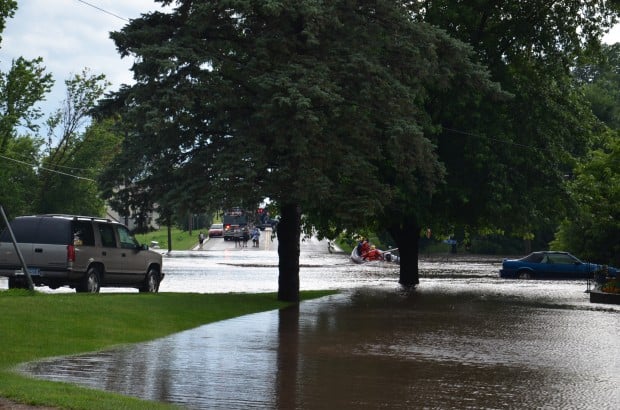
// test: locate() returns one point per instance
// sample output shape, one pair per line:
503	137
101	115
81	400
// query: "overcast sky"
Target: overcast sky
71	35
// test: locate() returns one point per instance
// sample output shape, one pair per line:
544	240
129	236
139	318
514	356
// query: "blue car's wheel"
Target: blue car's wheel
524	275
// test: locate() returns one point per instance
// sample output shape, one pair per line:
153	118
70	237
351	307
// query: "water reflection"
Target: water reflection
288	358
446	345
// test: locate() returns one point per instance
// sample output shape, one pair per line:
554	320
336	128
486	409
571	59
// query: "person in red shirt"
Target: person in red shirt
374	254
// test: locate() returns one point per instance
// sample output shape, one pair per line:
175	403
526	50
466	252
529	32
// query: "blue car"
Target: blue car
550	265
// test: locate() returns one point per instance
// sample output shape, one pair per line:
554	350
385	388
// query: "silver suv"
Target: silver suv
84	253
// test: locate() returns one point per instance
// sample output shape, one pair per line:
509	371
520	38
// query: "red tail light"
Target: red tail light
70	253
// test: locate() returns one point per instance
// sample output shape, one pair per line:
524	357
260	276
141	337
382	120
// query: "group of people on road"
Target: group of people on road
241	238
247	234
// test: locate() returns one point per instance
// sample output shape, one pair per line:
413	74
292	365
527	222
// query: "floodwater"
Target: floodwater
463	339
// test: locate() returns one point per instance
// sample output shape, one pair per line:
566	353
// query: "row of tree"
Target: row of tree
479	116
50	164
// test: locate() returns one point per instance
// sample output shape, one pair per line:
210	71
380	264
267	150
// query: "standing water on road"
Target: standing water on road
463	339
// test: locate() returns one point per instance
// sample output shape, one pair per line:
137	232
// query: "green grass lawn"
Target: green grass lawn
35	326
181	240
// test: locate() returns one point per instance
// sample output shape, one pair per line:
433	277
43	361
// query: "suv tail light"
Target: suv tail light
70	253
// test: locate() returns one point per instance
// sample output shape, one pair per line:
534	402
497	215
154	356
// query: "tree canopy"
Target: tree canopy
318	106
36	180
355	112
21	88
77	150
599	78
592	231
506	161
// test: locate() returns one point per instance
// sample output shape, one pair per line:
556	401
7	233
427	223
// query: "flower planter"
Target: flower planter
597	296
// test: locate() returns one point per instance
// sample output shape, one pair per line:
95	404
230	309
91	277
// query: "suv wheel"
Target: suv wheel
151	282
90	283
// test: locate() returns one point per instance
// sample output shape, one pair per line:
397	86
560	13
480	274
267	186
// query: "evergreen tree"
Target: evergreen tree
319	106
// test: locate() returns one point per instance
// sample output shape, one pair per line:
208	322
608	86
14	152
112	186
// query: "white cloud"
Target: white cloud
71	35
613	36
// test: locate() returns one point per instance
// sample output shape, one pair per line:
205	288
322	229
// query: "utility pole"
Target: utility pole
19	254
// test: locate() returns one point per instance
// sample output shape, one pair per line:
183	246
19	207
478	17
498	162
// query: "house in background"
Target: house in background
130	222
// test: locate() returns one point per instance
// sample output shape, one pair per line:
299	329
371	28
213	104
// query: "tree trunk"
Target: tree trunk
407	239
289	231
169	237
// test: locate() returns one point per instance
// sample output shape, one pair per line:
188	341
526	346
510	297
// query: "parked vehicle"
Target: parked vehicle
550	265
84	253
216	230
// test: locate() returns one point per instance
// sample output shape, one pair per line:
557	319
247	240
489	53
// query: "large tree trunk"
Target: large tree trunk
169	237
407	237
289	231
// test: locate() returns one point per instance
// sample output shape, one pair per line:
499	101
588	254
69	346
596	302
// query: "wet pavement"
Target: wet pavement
463	339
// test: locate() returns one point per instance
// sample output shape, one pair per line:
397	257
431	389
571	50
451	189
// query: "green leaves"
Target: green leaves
593	229
321	104
506	155
21	88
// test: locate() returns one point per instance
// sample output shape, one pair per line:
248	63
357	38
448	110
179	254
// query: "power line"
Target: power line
46	169
103	10
25	158
516	144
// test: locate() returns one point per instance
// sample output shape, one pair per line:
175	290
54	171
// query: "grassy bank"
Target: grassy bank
181	240
44	325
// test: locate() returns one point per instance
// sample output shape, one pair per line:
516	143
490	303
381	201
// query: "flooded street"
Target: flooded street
463	339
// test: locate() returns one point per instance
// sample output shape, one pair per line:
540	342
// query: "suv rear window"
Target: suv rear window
24	230
52	231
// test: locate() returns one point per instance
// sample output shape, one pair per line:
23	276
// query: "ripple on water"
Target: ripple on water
452	343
